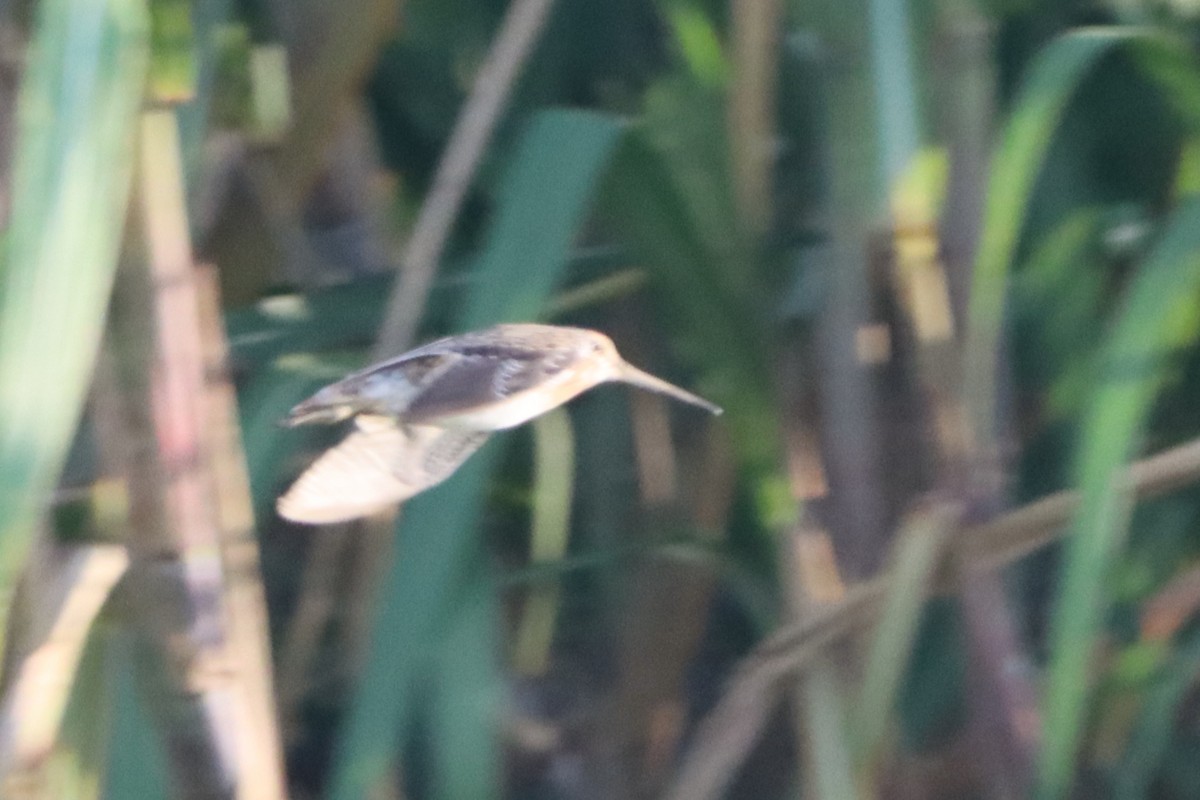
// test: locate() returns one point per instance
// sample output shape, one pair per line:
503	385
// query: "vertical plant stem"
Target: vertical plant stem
261	756
205	662
1002	698
895	86
1001	694
966	114
751	106
176	596
851	429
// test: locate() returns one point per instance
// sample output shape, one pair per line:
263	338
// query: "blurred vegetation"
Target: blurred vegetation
938	261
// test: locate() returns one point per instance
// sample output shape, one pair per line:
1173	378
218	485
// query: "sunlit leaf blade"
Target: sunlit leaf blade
71	182
698	43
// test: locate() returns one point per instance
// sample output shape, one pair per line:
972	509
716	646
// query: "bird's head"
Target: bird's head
600	353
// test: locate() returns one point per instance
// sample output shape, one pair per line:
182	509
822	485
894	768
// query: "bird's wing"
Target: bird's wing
332	403
483	376
378	464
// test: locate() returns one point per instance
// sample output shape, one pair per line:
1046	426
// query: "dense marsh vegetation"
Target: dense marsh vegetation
938	260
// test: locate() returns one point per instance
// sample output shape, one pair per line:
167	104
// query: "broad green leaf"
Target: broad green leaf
541	204
468	694
540	209
73	160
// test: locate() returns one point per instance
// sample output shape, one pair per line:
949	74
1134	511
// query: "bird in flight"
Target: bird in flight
420	415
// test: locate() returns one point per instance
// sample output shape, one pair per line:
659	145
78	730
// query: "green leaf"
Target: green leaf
73	162
172	52
1052	82
554	479
1059	299
1159	314
540	208
547	191
820	697
469	696
918	552
699	44
78	765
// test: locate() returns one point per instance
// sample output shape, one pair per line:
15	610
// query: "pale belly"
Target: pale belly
516	410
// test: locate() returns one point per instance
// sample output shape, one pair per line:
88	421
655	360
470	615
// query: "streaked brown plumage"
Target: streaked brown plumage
423	413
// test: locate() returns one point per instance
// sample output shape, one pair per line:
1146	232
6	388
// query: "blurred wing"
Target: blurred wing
378	464
475	381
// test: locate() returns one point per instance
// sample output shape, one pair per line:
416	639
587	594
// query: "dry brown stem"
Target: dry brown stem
261	756
191	594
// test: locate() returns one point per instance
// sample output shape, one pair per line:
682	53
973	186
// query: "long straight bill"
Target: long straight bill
644	380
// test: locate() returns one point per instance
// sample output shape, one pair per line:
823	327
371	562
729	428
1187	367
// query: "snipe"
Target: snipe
488	380
422	414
